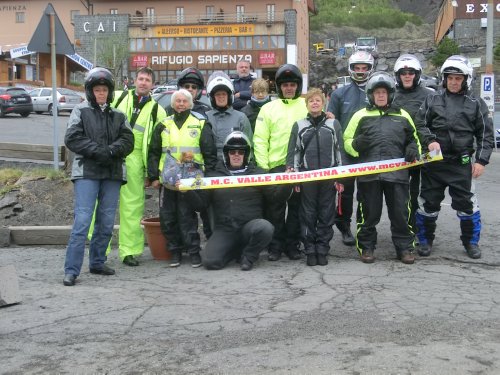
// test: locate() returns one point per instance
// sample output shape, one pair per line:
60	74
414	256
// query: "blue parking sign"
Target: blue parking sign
487	86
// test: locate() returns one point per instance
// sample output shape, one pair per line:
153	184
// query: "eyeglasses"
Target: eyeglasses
188	86
407	73
236	152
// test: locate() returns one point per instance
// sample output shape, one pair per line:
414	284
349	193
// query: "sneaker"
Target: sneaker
195	260
175	261
407	257
424	250
473	251
245	264
367	256
274	255
322	260
312	260
347	237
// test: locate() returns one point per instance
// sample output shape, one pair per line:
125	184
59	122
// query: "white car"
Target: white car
66	100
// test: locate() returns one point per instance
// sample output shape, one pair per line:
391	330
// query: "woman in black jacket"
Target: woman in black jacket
101	138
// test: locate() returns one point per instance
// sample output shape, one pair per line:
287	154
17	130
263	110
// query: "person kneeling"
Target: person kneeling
240	231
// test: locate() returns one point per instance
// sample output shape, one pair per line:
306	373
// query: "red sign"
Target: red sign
267	58
139	61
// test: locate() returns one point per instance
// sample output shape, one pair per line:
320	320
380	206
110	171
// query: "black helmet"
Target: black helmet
192	75
381	79
99	76
236	140
288	73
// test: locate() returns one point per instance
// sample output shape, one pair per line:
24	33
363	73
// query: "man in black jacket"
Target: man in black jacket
240	231
459	124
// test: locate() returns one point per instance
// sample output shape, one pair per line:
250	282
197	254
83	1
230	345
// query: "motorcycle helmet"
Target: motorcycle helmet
99	76
192	75
220	81
236	140
458	64
360	57
407	62
381	79
288	73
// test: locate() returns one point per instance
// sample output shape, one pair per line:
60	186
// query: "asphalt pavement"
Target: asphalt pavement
438	316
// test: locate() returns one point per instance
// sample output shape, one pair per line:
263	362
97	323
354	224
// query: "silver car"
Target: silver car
66	100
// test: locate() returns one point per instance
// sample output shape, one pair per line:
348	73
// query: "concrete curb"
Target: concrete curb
37	235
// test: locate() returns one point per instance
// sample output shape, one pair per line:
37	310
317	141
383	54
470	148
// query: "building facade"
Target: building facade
165	35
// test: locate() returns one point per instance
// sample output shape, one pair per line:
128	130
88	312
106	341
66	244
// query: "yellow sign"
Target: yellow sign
189	31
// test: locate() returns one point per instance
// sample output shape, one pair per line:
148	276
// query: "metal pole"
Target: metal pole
54	87
489	38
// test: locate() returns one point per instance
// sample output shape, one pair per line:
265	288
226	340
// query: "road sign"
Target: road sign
41	36
488	91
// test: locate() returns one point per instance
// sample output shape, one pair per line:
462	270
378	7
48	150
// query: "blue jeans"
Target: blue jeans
89	194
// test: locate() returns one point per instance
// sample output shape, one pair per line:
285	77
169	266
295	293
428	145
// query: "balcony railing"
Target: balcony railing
204	19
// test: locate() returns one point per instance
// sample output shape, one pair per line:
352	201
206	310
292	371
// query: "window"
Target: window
179	12
155	44
245	42
19	17
229	42
74	13
261	42
240	13
150	15
270	12
182	44
113	11
210	11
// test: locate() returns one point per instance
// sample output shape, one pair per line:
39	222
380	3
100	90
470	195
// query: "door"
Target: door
45	99
35	97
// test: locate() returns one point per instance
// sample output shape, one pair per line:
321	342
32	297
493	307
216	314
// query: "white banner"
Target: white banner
20	51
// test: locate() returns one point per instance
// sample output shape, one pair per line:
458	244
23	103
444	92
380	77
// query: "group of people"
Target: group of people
126	142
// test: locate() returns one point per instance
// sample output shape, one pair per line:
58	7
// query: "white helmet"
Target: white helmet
360	57
219	80
458	64
407	62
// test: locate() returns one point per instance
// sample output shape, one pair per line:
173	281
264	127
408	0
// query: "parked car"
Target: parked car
66	100
15	100
165	97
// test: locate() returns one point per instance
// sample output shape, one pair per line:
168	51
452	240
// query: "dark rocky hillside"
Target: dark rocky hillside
411	38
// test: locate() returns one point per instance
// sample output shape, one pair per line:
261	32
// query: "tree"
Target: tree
112	52
496	52
448	47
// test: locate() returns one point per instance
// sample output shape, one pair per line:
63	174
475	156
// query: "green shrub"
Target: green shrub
446	48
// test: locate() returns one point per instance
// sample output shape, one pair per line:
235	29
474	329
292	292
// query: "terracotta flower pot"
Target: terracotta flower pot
156	240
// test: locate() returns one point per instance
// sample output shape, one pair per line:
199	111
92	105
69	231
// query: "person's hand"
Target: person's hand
411	153
237	95
156	184
289	169
330	115
361	143
103	155
339	187
477	170
434	146
147	182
